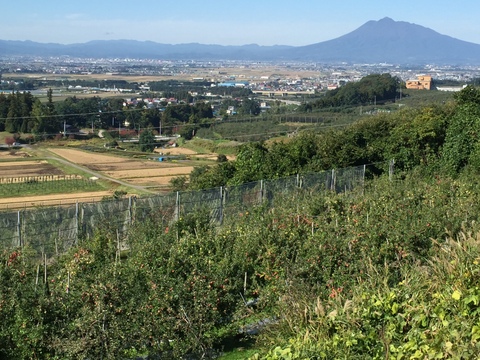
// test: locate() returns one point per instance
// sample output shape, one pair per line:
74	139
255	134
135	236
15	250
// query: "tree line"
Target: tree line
439	137
21	112
371	89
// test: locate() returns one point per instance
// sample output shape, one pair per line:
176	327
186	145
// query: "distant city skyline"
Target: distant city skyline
262	22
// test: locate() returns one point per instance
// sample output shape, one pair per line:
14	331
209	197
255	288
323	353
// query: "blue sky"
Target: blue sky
226	22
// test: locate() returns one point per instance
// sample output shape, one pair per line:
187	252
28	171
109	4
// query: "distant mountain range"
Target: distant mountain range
382	41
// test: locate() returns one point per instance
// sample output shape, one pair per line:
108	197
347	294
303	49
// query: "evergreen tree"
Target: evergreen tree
147	140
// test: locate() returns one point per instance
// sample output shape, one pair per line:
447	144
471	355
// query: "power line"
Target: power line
143	109
72	115
274	117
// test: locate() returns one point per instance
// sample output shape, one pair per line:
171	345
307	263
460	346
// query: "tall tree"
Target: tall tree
147	140
12	123
4	105
249	107
251	163
44	121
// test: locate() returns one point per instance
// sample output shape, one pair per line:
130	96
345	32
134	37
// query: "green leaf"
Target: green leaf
471	299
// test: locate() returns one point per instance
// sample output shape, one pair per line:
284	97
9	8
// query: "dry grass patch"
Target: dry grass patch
170	171
134	171
134	165
152	181
86	158
52	200
175	151
13	155
19	163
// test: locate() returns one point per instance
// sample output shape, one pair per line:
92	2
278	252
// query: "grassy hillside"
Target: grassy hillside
388	271
368	264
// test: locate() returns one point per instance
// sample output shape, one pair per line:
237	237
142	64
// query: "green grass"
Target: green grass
3	135
37	187
201	146
67	169
237	348
205	146
420	98
238	354
228	147
48	187
18	159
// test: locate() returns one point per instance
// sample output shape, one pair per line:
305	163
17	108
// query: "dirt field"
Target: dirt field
149	173
17	169
139	172
136	172
86	158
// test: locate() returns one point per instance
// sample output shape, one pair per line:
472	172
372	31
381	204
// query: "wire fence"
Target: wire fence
54	230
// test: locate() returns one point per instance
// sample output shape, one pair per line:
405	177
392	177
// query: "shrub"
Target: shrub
9	140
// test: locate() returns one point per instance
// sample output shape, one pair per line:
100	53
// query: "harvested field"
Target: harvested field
52	200
255	72
138	172
18	169
148	173
29	171
134	171
19	163
134	165
175	151
86	158
13	155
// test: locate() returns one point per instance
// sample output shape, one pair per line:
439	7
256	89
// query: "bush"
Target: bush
9	140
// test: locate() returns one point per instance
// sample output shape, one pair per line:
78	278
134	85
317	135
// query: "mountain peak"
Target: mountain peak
376	41
387	20
395	42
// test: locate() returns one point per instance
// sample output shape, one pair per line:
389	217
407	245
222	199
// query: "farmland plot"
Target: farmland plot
134	171
38	183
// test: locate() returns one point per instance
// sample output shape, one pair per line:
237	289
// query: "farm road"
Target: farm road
51	156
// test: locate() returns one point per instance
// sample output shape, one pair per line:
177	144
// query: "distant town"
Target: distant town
271	79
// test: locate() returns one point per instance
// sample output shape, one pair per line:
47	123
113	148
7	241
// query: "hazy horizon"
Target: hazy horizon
225	23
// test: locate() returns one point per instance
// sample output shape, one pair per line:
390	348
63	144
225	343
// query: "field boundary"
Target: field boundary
38	178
